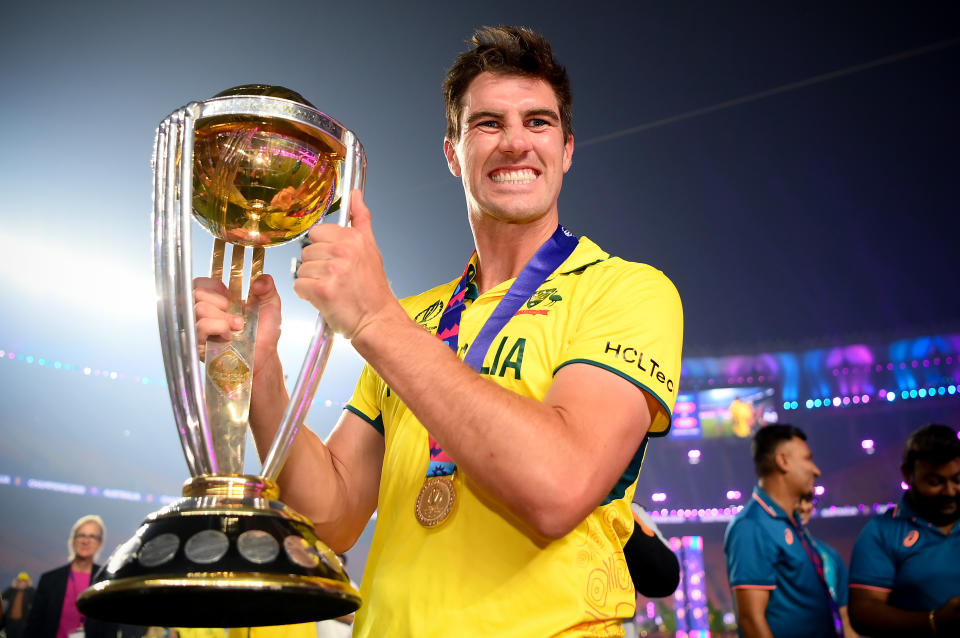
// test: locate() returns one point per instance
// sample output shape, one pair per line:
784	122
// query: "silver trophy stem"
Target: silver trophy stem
228	401
173	253
354	176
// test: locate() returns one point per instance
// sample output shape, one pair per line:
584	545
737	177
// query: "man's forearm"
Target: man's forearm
755	627
268	401
876	618
521	451
309	463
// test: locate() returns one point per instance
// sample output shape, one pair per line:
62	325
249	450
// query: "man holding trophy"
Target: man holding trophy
500	422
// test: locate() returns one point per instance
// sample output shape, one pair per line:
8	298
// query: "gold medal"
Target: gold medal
435	501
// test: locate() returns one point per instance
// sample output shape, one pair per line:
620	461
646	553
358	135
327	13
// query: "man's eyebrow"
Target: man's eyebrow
483	115
543	112
497	115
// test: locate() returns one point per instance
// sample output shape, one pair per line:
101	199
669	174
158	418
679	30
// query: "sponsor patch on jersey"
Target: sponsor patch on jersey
911	538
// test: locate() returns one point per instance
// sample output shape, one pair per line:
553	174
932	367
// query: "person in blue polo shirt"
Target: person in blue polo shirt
905	572
775	572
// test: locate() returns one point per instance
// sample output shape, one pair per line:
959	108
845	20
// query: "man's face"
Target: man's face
511	154
935	491
797	463
87	540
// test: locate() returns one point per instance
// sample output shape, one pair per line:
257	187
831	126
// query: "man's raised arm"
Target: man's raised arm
550	462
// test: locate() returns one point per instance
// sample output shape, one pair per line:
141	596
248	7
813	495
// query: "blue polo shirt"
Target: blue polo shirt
834	570
763	552
909	557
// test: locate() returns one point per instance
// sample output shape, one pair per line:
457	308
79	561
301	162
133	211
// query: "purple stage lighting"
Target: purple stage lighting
819	490
658	497
734	495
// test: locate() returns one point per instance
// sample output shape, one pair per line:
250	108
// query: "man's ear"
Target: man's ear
568	153
450	151
781	461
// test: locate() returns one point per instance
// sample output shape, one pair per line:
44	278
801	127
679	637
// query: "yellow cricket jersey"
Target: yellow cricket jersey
301	630
476	574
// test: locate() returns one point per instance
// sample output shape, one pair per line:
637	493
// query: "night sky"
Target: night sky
792	167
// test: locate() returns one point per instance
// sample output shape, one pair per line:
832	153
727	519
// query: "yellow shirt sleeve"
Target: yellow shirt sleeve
365	400
632	325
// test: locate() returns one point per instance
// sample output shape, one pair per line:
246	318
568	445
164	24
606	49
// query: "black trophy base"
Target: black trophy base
218	561
211	600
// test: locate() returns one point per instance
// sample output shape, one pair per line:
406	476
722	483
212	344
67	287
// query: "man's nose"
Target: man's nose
515	139
816	470
952	489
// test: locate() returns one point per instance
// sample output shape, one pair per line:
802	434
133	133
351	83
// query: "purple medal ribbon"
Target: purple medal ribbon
814	557
544	262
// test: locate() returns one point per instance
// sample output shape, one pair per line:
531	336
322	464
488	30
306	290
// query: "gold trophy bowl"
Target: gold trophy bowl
257	166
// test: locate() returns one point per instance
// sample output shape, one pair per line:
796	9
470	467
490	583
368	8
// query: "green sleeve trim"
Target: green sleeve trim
629	475
642	386
377	423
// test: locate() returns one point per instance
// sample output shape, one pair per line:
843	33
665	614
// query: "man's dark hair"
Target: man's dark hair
934	443
765	444
506	51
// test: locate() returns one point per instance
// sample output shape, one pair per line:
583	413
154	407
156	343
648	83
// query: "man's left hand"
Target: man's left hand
342	274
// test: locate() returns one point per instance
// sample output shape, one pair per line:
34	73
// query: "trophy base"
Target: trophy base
230	558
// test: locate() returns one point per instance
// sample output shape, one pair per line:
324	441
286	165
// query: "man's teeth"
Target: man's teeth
524	176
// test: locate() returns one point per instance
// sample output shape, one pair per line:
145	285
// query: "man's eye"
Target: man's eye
488	124
537	123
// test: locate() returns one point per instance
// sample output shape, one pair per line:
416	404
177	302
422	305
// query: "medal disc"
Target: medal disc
435	500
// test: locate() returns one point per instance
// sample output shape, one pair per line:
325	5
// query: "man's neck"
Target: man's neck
82	565
504	249
781	495
944	526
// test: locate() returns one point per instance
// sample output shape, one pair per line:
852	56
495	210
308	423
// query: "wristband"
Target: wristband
933	622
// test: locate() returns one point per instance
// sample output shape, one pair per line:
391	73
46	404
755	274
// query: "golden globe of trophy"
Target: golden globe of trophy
257	166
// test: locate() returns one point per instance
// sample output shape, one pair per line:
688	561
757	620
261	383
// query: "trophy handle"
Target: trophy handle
354	177
173	274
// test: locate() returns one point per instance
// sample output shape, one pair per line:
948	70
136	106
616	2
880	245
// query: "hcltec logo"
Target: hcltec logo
433	310
632	355
788	536
911	538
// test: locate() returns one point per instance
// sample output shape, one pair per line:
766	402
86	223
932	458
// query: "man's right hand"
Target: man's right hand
214	322
947	618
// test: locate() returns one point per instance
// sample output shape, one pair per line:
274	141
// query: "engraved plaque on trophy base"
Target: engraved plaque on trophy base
233	557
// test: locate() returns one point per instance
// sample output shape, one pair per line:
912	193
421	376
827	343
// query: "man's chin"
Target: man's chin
943	516
936	511
943	519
